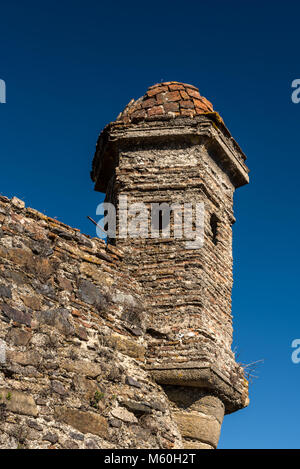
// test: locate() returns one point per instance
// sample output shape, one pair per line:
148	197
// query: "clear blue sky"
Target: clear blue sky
71	66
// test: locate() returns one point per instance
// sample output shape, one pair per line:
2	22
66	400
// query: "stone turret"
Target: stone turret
170	147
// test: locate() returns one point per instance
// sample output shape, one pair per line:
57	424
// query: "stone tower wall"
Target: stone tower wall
188	290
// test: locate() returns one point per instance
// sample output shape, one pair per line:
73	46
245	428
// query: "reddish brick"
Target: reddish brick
75	312
199	110
170	83
184	95
172	96
85	324
187	104
157	90
156	111
208	103
149	103
176	87
199	104
171	107
160	98
193	93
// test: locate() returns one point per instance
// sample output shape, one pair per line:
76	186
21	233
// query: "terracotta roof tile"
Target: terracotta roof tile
166	99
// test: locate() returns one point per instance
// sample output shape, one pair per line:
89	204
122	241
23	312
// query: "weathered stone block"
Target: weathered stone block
198	427
16	315
211	405
18	402
31	357
82	367
127	346
124	415
17	202
32	302
85	422
5	292
87	387
138	408
59	318
18	336
90	294
95	272
58	387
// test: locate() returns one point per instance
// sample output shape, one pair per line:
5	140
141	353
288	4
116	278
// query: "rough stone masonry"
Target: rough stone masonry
126	344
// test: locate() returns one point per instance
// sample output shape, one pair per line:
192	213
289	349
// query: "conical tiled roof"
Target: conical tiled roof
171	99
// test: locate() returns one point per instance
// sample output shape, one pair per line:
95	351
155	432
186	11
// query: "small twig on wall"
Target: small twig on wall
250	368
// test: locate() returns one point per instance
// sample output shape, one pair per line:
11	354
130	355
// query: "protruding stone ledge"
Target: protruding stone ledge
202	129
207	377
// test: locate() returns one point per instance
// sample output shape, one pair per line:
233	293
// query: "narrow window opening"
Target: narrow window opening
214	222
160	217
160	221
